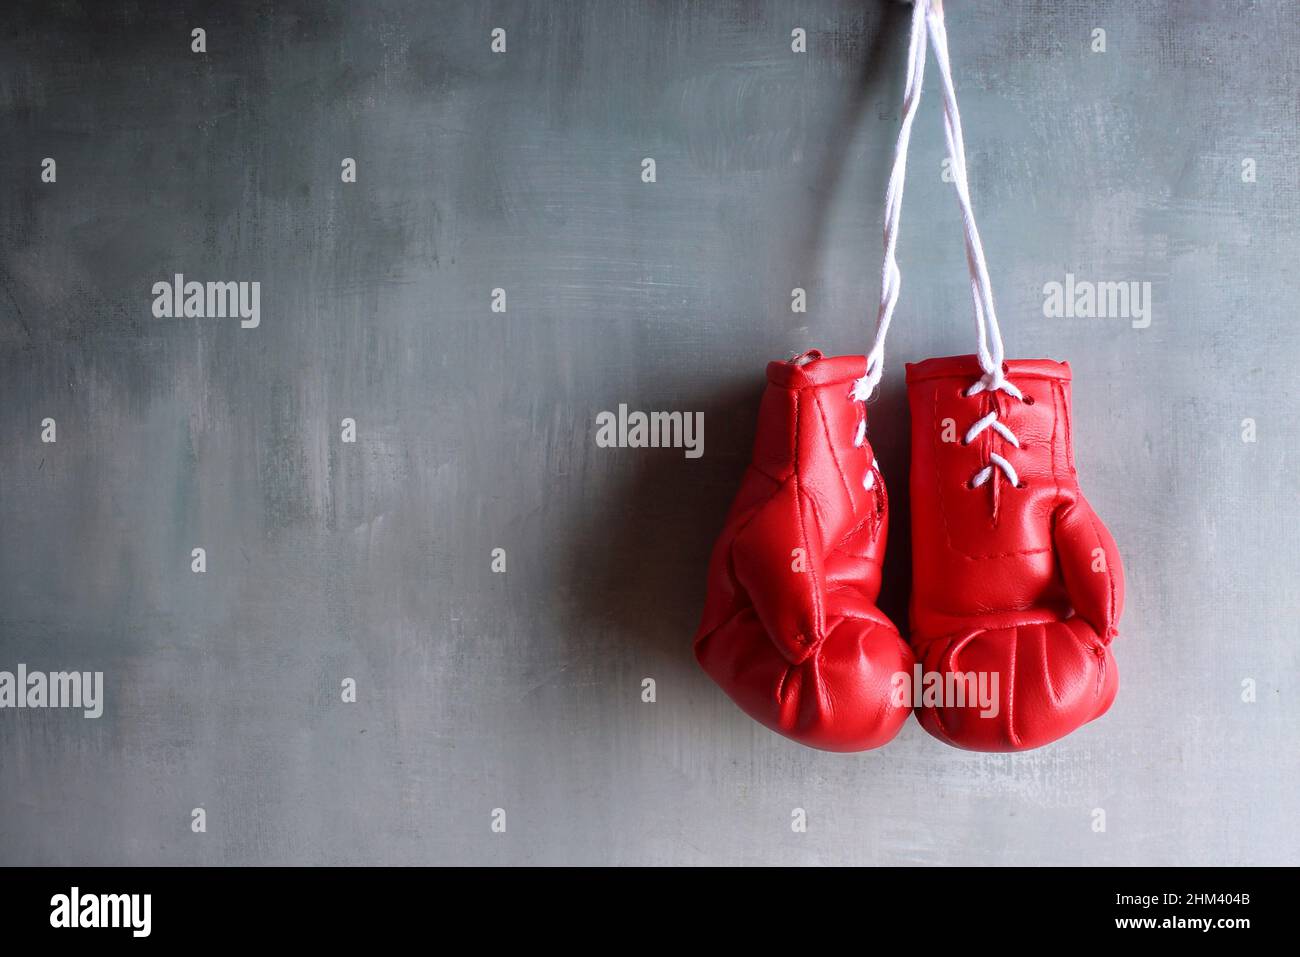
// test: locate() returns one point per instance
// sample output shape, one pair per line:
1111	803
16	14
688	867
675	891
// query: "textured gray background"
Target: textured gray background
476	429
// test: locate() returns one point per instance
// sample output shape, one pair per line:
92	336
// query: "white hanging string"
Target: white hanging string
990	350
891	278
929	14
989	346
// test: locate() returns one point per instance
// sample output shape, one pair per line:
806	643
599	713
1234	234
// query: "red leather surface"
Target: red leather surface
1025	582
806	652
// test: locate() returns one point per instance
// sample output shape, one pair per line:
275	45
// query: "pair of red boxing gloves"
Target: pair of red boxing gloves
1016	584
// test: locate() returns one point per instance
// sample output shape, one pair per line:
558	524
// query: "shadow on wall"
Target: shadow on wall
890	436
638	568
882	65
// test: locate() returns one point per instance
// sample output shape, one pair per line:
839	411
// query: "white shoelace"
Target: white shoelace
891	278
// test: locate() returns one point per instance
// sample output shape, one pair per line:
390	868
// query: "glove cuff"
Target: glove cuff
813	370
968	367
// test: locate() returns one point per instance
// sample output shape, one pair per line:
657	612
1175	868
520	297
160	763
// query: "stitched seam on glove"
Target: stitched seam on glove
1105	632
735	613
968	633
1047	669
830	443
804	640
1056	475
1101	676
875	622
1011	697
871	518
1069	439
950	374
819	614
818	586
779	480
945	663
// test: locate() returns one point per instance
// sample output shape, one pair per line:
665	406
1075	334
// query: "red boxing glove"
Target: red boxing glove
790	629
1013	575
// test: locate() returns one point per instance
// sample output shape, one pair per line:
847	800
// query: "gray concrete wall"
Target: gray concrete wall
372	560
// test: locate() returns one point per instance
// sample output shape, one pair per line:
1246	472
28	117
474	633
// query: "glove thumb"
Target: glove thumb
1090	567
